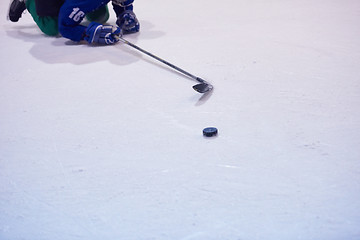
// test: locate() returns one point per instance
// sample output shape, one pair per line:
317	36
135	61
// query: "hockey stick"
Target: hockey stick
202	87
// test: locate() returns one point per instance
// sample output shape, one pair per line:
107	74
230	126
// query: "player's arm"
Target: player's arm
70	16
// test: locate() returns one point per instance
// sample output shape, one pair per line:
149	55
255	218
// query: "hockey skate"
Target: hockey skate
17	7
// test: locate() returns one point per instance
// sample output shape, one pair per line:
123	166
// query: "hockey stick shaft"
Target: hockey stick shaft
203	87
161	60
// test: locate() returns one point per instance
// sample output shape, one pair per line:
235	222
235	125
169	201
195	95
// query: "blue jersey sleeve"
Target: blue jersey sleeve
72	13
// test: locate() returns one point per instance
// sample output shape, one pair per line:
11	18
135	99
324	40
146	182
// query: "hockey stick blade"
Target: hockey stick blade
203	87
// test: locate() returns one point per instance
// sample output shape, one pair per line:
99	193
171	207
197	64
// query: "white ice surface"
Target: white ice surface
106	143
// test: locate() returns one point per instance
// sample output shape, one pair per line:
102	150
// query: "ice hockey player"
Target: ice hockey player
65	17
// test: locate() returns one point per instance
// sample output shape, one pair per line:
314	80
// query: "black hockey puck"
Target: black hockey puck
210	131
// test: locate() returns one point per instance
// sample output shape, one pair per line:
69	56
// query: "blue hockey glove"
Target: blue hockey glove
102	34
128	22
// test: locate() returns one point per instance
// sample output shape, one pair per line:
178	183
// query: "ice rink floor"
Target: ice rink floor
104	143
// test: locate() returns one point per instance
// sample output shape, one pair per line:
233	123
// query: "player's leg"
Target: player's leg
100	15
47	24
